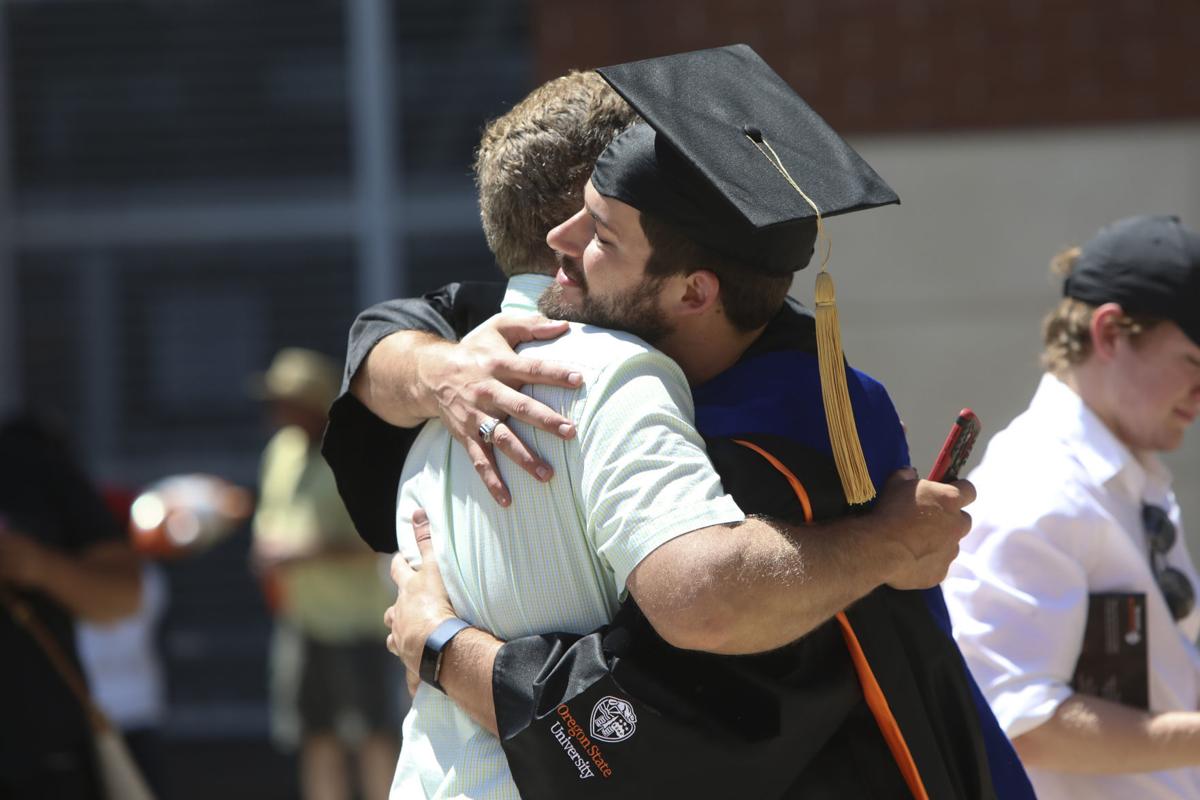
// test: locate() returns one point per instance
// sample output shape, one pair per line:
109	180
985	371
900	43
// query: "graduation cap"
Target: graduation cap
735	159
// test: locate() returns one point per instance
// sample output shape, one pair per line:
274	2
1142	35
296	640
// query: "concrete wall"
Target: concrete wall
942	297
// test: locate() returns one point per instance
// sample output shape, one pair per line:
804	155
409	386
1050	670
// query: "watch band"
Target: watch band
431	656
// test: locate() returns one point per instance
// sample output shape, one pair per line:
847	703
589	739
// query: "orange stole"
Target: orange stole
872	693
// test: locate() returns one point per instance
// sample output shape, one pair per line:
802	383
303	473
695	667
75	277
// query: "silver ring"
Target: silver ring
487	428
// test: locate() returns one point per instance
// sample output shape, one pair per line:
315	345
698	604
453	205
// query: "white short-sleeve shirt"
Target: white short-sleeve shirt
635	476
1059	517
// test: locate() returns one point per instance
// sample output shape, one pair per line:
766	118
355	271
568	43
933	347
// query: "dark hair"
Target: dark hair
750	297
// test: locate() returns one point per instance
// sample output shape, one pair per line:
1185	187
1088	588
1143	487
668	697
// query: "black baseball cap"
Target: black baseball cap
700	163
1148	264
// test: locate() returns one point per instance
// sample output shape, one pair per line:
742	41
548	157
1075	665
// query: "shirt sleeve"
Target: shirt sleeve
365	453
449	312
646	477
1018	601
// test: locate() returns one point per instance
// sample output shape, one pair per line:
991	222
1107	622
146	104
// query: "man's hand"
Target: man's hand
480	378
924	521
421	603
23	561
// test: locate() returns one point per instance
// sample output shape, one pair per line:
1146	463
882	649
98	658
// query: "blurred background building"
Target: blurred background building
187	186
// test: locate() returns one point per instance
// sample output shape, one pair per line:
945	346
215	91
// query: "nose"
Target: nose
571	236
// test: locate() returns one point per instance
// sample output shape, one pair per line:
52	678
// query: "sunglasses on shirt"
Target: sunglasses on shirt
1176	588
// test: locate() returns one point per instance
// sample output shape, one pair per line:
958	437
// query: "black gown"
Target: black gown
619	710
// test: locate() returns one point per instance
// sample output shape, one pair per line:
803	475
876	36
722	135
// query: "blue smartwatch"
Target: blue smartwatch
431	656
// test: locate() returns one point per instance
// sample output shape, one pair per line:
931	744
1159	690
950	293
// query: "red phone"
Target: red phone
957	447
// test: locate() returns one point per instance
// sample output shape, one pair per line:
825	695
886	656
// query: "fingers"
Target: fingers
541	328
966	489
519	328
484	461
400	569
903	474
523	370
424	536
508	402
510	445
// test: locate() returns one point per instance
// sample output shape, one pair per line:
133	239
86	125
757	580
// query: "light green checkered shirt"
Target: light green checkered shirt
635	476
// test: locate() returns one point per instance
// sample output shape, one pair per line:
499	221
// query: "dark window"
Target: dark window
461	63
109	94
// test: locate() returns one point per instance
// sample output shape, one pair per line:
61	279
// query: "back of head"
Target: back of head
532	164
1149	265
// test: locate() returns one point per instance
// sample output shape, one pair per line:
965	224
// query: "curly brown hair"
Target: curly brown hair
1066	331
532	163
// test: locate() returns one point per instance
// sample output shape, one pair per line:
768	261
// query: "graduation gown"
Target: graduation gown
620	710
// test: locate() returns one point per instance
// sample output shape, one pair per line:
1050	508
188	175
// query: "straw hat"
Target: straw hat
301	376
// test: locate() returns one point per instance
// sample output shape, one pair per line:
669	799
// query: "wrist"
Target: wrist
388	381
430	359
875	558
434	649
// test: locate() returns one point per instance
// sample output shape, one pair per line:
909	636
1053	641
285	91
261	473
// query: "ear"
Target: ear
1105	331
697	292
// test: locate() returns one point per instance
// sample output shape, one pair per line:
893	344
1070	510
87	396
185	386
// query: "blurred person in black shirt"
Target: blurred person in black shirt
63	555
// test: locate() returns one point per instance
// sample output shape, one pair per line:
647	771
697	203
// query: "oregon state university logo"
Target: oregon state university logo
613	720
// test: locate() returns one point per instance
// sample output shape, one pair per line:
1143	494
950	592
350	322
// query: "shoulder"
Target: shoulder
1035	489
601	352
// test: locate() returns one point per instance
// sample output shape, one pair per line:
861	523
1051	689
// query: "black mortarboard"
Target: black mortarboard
698	165
736	160
1148	264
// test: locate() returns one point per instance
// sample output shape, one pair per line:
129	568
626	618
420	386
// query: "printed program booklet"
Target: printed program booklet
1113	662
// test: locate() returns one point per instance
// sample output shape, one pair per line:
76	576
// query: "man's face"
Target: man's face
1157	385
602	254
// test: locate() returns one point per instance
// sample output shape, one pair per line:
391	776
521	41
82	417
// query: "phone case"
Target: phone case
957	447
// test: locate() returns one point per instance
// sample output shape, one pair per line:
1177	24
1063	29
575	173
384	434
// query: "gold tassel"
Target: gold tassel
839	413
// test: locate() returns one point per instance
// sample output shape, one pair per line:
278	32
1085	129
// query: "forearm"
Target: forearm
756	587
388	382
1091	735
103	585
466	675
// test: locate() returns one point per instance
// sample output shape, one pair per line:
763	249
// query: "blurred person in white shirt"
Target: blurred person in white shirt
1074	501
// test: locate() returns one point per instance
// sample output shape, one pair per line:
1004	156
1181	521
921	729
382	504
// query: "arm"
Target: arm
1091	735
90	567
403	368
421	605
100	584
652	495
1019	601
759	585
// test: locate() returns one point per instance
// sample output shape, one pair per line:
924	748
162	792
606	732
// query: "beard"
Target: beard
634	310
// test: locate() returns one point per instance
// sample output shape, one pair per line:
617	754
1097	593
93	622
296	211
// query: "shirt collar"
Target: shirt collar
1100	452
521	296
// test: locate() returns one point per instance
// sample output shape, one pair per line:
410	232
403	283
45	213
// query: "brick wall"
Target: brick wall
914	65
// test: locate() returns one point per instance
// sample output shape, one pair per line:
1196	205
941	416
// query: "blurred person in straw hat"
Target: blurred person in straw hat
333	688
